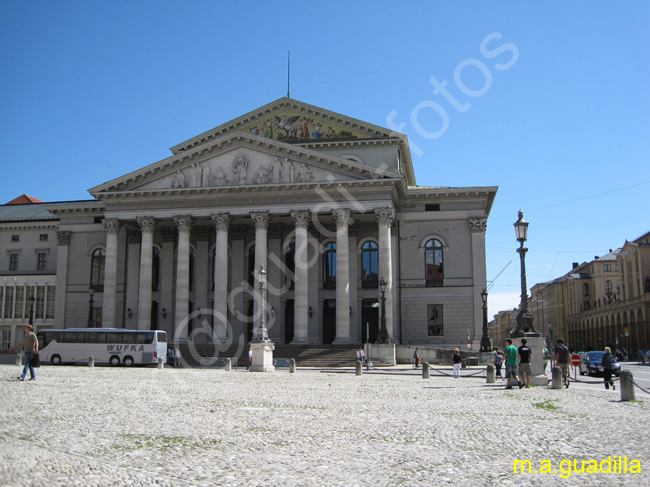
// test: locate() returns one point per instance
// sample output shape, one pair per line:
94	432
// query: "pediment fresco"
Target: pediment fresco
291	126
244	166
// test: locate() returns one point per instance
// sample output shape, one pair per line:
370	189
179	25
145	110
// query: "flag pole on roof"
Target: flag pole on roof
288	73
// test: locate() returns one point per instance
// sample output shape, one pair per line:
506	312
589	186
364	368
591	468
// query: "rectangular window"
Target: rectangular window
13	262
608	267
9	302
49	307
432	207
43	237
21	313
434	315
15	238
41	264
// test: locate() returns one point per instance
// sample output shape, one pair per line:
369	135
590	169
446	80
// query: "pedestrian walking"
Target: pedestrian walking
607	367
547	356
510	354
523	359
30	349
457	361
561	359
498	360
416	357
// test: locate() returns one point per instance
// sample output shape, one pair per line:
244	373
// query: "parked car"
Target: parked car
590	364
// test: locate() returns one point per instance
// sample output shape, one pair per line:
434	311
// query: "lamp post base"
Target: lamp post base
262	356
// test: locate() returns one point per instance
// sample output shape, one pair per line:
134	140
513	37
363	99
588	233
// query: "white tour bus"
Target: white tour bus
112	346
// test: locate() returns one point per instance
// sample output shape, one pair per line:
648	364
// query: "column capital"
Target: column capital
261	218
112	225
478	225
343	217
300	217
63	238
385	216
183	223
147	223
222	221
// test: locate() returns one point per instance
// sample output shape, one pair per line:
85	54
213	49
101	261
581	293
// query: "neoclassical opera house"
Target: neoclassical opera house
327	204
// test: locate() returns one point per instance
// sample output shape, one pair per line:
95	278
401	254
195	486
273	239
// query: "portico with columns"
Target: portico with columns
328	217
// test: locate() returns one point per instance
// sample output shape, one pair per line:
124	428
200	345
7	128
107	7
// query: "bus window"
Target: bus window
74	337
130	338
145	338
114	337
53	336
162	337
95	337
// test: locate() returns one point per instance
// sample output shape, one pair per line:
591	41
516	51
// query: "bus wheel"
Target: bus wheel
115	360
128	361
56	360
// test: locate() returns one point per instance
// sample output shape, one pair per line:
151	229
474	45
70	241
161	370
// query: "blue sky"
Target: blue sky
93	90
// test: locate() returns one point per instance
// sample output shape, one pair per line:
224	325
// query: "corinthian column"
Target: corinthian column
261	220
343	221
385	217
184	224
109	304
147	225
301	287
222	222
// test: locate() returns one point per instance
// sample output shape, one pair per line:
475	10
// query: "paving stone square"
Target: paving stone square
108	426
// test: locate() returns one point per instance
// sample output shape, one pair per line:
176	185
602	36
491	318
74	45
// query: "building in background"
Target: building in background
327	204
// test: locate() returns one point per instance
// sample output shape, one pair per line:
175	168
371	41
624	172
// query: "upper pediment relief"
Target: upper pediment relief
291	121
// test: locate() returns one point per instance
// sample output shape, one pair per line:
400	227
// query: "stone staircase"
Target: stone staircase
204	353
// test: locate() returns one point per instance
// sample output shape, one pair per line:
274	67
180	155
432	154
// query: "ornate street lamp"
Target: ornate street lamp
383	332
91	302
525	320
486	343
31	309
261	276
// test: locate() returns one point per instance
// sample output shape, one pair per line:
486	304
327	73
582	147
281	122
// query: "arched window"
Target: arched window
329	266
585	289
433	263
97	262
155	270
369	265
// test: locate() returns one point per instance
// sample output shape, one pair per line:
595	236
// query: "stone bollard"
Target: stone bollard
358	368
556	382
161	363
228	366
490	374
19	360
627	386
425	370
292	366
91	361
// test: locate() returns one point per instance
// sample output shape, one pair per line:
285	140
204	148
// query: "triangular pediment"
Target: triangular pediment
237	160
291	121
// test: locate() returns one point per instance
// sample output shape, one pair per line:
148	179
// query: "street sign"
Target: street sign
575	359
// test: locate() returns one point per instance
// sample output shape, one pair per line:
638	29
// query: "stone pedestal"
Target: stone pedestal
262	356
536	344
385	353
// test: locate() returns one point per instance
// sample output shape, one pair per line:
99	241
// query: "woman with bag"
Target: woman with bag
30	349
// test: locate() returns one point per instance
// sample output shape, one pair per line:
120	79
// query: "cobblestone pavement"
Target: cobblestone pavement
201	427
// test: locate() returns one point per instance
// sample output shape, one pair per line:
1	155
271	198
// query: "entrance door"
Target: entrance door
329	321
370	321
288	321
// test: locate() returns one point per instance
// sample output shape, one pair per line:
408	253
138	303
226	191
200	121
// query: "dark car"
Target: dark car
590	364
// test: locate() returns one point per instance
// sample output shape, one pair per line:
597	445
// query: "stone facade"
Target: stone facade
327	204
